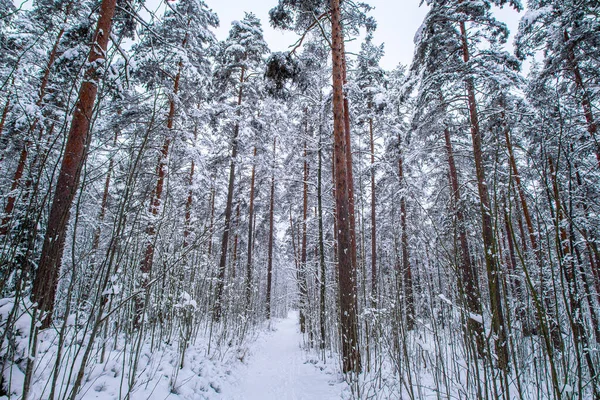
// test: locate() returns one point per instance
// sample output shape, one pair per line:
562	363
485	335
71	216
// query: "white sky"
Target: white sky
397	21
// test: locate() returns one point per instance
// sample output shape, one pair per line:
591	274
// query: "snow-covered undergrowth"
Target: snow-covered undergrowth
273	362
433	362
158	367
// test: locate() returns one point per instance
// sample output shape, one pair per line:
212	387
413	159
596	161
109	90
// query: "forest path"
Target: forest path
279	369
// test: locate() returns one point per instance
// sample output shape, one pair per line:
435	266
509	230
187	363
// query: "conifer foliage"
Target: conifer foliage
436	226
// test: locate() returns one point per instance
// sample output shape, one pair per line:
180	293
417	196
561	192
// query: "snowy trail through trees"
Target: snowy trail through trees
278	368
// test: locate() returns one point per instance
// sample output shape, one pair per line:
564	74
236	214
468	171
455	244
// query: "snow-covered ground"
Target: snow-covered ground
270	364
279	368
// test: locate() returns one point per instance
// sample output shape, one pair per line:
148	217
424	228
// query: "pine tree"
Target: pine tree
446	35
239	60
176	61
565	31
46	279
371	81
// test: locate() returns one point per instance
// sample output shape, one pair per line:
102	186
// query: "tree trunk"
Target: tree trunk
212	220
302	271
88	278
10	202
586	104
190	197
467	277
323	281
155	201
5	113
590	241
225	241
271	225
567	264
550	317
373	219
250	230
498	326
347	268
188	207
46	280
349	164
235	240
406	268
105	195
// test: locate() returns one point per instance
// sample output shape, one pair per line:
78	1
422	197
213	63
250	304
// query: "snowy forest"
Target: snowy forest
180	212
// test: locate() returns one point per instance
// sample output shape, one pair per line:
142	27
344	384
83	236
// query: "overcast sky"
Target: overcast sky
397	21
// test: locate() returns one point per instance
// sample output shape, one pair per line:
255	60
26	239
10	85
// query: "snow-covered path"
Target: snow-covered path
279	369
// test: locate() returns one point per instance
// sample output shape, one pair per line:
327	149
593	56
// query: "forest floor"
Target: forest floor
278	368
272	364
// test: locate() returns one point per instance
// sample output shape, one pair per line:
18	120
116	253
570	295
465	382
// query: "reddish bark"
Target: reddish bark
10	202
349	163
498	325
46	280
235	241
5	113
590	242
334	212
522	197
190	198
468	279
347	273
161	172
156	198
551	318
586	104
567	265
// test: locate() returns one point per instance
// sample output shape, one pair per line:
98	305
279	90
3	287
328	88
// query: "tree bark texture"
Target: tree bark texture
466	276
490	254
347	273
21	164
550	314
46	279
218	307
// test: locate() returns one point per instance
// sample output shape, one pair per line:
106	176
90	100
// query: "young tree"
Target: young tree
271	233
175	60
371	81
242	56
449	33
